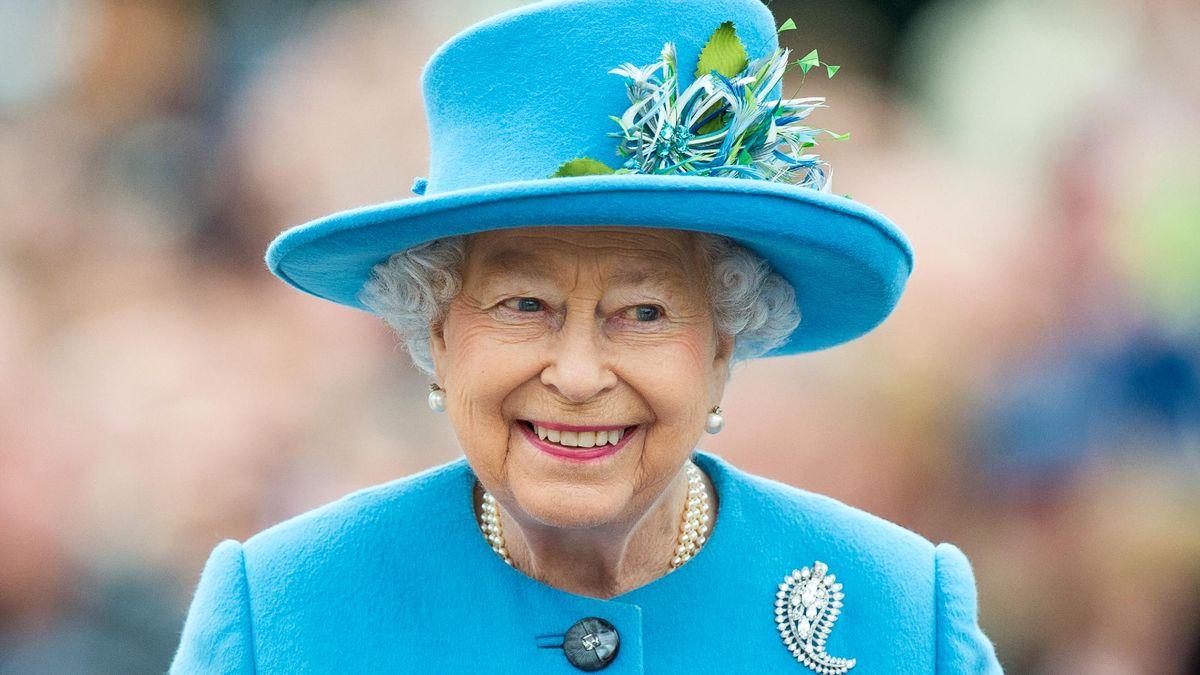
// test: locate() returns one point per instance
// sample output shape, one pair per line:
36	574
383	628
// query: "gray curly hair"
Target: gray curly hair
751	302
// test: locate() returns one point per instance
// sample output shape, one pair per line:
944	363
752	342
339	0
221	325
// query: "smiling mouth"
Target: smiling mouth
578	437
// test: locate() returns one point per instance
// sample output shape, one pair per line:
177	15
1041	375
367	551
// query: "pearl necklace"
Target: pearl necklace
693	531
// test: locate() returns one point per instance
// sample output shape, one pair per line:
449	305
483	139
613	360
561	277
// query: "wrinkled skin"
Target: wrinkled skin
586	326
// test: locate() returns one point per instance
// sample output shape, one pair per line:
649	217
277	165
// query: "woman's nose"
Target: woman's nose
579	368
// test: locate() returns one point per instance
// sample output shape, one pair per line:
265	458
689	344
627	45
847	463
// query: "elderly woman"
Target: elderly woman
620	207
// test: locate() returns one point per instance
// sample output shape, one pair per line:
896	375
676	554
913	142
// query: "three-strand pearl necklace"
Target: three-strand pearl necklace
693	531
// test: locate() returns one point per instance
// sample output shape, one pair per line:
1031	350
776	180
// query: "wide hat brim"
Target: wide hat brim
847	263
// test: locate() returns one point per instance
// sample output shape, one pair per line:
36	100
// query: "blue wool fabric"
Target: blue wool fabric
399	579
510	100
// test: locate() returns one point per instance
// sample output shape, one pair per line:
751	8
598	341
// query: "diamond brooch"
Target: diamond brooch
806	607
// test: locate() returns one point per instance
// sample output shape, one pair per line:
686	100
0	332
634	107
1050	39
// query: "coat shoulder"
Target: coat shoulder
895	579
364	523
786	513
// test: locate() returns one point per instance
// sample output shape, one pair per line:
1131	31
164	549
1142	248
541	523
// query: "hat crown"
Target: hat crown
514	97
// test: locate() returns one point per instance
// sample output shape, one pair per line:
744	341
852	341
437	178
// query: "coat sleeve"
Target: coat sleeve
962	648
217	635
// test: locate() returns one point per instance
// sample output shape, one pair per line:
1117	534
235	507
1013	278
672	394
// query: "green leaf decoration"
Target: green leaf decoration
832	70
724	53
810	61
744	158
715	124
790	24
840	137
584	166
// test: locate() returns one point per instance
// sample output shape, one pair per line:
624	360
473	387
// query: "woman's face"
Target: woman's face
581	335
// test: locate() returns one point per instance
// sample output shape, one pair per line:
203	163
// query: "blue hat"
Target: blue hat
514	100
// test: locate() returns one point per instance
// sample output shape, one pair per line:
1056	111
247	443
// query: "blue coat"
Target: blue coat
398	579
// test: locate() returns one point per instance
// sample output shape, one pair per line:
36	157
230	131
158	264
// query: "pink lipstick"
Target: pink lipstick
575	454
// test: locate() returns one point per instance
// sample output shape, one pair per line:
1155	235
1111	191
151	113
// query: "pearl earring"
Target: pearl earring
437	398
715	422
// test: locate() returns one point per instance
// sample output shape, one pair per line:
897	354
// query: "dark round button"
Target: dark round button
591	644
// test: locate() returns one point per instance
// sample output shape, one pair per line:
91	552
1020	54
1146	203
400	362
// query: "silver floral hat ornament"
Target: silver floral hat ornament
730	121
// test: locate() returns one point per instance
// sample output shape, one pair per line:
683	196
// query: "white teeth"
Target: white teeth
580	439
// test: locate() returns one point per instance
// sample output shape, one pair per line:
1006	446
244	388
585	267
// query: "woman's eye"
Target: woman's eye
646	313
524	304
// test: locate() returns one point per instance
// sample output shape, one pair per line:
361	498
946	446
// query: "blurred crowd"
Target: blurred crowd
1035	398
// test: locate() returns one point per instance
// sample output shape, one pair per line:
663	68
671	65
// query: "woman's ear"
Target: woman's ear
437	349
724	354
723	359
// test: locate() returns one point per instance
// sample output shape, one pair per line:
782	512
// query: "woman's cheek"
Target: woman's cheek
682	359
483	338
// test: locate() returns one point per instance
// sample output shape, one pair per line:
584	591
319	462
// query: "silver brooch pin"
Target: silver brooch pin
806	607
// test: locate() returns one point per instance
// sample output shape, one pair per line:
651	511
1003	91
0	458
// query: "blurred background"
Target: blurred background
1035	398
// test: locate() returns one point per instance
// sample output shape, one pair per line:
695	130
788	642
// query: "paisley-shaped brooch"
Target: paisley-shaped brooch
806	607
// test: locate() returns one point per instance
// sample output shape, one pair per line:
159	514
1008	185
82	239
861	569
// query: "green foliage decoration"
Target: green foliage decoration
583	166
724	53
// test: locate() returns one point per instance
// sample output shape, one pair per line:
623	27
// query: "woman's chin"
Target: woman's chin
569	506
